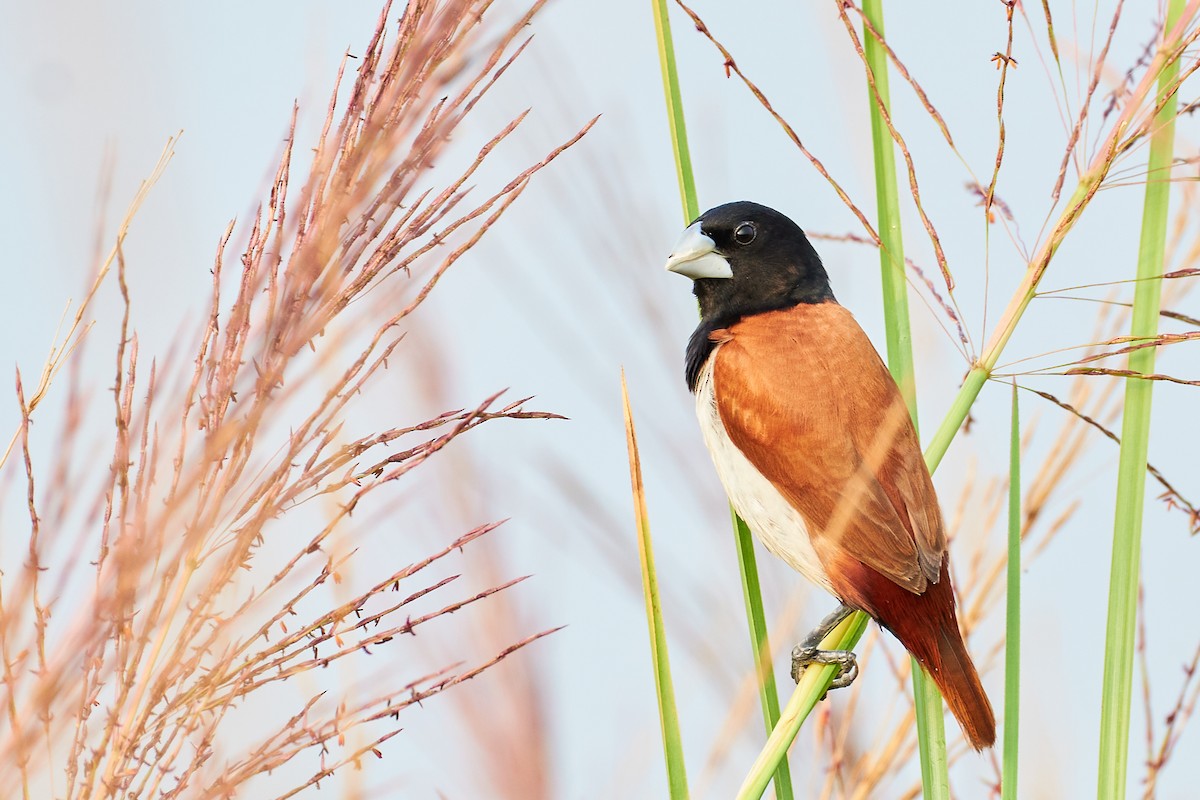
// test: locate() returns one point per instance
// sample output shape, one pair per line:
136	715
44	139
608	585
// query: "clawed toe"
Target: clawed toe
845	660
845	675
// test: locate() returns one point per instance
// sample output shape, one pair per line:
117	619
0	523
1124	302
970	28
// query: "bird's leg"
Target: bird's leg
809	652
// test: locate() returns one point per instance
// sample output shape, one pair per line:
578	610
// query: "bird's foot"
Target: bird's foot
809	651
804	655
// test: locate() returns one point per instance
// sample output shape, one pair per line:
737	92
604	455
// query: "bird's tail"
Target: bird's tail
949	664
932	636
928	628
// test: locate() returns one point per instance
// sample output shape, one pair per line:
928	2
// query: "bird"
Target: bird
815	447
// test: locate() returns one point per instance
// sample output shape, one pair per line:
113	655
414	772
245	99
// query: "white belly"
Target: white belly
778	526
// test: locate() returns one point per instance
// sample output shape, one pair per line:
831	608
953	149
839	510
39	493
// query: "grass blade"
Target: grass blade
747	562
809	691
931	735
768	695
679	143
1012	612
887	202
1135	437
931	728
667	713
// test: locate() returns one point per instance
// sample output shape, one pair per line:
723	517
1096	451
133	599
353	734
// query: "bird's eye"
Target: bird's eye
745	233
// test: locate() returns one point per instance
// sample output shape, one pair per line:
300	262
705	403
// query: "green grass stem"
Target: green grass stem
679	141
1135	439
931	727
887	202
809	691
667	710
768	695
1012	612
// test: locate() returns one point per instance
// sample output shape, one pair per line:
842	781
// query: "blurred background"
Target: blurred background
569	289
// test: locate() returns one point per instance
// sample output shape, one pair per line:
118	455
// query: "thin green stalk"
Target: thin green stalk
744	542
667	711
1012	612
1135	439
931	727
768	695
813	685
931	734
679	143
887	202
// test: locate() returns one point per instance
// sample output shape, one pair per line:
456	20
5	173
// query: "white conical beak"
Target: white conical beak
695	255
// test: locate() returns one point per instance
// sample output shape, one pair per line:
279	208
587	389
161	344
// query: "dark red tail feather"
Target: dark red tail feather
959	682
927	627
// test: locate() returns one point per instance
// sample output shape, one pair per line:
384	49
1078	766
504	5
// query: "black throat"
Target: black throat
699	348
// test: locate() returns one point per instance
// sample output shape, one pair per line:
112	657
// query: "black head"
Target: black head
746	258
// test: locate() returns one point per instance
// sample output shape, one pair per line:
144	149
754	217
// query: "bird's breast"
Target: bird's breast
777	524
